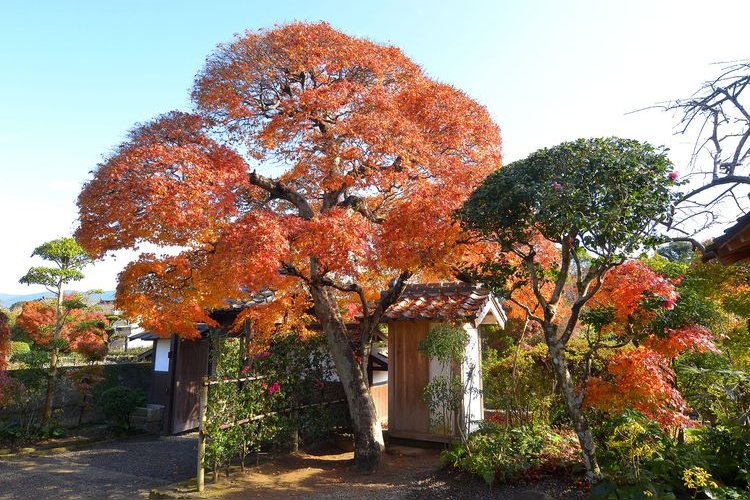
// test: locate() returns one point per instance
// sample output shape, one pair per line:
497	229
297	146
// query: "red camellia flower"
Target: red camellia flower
673	176
275	387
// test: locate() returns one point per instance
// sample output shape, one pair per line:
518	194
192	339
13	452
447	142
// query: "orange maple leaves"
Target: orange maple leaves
641	376
83	330
364	159
5	344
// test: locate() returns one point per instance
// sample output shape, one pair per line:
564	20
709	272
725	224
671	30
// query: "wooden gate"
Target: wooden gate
189	365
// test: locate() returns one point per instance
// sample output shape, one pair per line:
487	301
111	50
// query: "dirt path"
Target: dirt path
406	474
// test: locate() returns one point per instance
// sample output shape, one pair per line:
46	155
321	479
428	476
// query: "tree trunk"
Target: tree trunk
573	405
54	359
368	434
51	382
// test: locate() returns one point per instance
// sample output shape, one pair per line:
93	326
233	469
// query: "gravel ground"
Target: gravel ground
130	469
126	469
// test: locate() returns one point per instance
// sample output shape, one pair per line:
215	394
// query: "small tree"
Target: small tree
444	393
5	349
565	216
69	259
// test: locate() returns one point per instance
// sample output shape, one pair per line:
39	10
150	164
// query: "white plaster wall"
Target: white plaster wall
379	377
161	355
472	378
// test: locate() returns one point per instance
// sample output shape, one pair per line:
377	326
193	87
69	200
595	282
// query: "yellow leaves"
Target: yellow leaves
698	478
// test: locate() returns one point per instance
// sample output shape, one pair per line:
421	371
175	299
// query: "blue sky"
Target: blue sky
76	75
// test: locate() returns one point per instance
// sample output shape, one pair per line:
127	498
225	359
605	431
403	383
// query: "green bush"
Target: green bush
500	454
727	451
295	373
118	403
518	381
17	347
640	460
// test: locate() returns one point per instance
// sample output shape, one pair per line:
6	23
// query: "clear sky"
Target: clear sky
76	75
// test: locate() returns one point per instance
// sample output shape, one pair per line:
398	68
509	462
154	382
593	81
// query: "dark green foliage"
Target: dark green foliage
33	356
118	403
608	194
247	416
69	258
500	454
640	460
727	452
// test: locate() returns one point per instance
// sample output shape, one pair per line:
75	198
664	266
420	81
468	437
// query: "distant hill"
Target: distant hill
8	299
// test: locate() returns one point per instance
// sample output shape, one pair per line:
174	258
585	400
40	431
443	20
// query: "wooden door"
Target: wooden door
190	365
408	374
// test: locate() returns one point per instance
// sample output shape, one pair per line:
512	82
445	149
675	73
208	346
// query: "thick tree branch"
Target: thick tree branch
276	189
360	206
719	181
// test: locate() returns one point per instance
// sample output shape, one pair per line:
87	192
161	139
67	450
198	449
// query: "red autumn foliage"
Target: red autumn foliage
83	330
641	377
5	345
627	288
370	157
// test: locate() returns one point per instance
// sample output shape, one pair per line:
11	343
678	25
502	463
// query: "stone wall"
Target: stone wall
68	401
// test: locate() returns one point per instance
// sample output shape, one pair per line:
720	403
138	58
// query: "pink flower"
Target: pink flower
275	387
668	304
673	175
557	186
226	378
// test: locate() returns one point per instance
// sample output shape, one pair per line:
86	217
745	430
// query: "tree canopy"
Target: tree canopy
318	165
363	158
67	256
564	218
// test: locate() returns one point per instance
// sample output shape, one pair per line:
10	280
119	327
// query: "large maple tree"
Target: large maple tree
318	165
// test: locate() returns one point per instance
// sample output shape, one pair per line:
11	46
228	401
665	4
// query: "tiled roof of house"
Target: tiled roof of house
439	301
732	246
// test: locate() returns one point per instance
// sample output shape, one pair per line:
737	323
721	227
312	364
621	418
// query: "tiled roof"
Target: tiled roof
439	301
263	297
732	246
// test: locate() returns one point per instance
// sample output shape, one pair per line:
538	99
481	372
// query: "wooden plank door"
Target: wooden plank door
408	374
190	365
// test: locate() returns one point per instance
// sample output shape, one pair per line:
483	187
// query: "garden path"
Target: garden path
119	470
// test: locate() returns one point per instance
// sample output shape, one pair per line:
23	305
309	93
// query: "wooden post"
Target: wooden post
295	431
202	403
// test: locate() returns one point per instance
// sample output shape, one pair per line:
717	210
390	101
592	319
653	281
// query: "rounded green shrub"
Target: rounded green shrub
118	403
